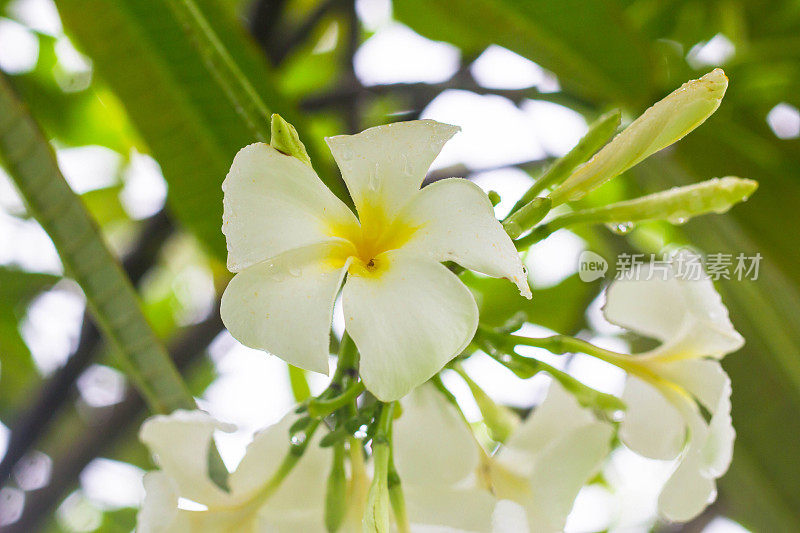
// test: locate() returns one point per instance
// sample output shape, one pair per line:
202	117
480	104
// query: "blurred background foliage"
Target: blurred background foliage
128	91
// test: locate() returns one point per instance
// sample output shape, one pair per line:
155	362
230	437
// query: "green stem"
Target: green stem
526	217
600	131
297	379
539	233
336	497
397	498
296	450
376	517
500	420
560	344
319	407
347	364
344	377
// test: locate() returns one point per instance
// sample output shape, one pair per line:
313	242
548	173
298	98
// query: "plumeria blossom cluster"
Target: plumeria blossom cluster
386	446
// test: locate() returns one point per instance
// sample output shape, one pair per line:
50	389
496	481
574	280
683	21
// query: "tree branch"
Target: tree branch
97	440
279	42
462	171
58	390
429	91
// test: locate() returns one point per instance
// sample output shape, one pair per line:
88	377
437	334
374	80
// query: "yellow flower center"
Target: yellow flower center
374	236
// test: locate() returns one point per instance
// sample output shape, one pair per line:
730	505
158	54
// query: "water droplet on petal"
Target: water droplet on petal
406	166
275	272
373	178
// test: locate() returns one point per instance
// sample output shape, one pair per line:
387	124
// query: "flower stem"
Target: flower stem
526	217
396	497
347	364
320	407
559	344
539	233
599	133
376	517
299	384
500	420
336	495
296	450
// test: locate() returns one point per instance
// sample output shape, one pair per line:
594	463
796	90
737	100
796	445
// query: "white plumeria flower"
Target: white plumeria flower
545	463
180	443
529	485
665	385
291	242
439	464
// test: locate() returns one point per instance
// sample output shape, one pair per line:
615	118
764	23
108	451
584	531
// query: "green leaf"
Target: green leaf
32	165
599	133
118	521
90	116
104	205
196	93
589	43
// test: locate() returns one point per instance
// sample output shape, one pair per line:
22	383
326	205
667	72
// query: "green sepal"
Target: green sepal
285	140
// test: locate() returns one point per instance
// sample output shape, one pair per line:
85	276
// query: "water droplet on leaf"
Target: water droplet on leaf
621	228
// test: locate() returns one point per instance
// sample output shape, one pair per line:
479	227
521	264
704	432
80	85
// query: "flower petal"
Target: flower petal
180	442
456	222
561	470
558	448
384	166
509	517
717	450
652	426
653	307
432	444
299	503
456	510
285	305
687	492
263	457
408	321
557	415
707	381
664	123
159	512
686	314
274	203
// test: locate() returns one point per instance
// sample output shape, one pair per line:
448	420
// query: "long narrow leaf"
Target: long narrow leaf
195	87
588	43
31	162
